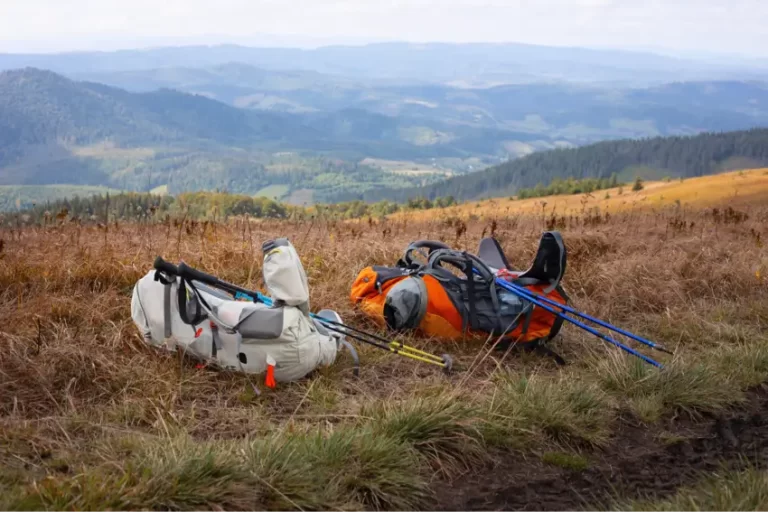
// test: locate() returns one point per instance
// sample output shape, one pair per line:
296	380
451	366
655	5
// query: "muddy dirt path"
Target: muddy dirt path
640	462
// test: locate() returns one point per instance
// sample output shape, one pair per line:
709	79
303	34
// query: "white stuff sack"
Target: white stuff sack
284	275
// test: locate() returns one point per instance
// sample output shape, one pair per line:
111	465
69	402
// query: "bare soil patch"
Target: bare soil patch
640	463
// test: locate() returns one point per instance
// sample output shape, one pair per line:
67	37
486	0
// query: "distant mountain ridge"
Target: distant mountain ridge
547	112
408	63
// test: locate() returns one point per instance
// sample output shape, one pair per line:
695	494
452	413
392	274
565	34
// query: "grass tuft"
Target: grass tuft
176	475
443	429
565	409
745	490
379	472
572	461
351	468
695	385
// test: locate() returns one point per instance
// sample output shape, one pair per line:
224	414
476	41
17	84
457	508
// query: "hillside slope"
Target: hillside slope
54	130
656	157
734	188
40	107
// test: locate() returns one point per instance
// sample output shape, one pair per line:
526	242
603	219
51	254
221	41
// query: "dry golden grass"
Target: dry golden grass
738	187
92	418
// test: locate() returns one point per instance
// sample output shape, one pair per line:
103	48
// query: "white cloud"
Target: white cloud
711	25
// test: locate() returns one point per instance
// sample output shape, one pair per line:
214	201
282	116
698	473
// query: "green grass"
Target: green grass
745	490
703	384
383	459
443	429
629	174
425	136
301	197
566	409
349	468
109	150
572	461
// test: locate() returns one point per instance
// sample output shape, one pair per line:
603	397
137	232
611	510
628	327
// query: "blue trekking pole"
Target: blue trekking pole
569	309
507	286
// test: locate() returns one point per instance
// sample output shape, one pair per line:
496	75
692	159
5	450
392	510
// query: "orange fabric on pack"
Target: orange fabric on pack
366	295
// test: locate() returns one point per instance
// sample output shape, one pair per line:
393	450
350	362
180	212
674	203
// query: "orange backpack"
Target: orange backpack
433	300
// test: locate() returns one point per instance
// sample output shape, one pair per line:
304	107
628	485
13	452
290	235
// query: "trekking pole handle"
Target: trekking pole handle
190	273
166	267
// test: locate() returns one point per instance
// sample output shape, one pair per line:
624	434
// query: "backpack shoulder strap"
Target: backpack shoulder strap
549	263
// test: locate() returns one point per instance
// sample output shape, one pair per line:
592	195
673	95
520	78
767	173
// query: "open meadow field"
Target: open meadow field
91	418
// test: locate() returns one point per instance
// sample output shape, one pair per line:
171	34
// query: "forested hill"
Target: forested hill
39	107
657	157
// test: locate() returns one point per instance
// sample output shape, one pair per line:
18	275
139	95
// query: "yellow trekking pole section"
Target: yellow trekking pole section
434	359
407	348
396	347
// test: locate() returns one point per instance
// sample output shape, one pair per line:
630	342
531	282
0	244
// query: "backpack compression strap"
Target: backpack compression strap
166	281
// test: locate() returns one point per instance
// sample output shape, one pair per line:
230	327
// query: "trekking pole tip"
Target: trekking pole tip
447	363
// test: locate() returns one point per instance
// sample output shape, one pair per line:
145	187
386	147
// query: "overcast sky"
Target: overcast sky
719	26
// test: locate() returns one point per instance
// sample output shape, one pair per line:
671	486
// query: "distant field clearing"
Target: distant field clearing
405	167
301	197
110	150
273	192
